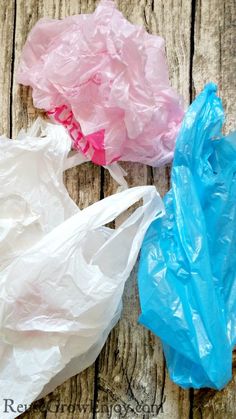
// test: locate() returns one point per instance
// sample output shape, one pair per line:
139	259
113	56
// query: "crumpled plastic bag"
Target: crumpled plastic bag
187	272
64	273
33	198
106	81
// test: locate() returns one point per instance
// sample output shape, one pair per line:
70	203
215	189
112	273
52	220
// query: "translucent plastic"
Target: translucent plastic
187	272
62	272
106	81
33	198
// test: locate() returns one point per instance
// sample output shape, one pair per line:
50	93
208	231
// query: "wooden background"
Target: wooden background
199	44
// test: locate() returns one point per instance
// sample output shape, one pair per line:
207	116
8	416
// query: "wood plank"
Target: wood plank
210	404
172	20
131	369
215	51
214	60
83	183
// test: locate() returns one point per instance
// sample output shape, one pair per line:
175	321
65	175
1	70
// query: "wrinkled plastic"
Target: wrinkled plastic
187	272
33	198
106	81
63	274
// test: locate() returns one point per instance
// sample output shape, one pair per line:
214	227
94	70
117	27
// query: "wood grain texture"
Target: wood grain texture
129	379
131	373
83	183
209	404
214	56
214	59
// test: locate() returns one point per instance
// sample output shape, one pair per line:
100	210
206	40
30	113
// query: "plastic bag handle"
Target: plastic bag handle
117	172
108	209
105	211
76	158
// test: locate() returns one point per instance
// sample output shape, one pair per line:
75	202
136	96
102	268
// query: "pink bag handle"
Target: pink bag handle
92	145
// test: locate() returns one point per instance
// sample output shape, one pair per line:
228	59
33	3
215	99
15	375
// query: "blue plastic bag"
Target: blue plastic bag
187	272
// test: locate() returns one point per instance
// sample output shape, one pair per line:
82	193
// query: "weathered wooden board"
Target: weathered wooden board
83	183
214	60
130	370
215	51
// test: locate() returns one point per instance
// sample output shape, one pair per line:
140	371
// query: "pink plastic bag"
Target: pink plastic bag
106	80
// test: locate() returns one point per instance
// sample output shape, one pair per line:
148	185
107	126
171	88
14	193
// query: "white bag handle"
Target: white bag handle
108	209
40	126
129	235
116	171
105	211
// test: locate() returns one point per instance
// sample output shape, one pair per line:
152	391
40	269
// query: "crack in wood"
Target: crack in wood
191	402
192	47
145	18
163	397
96	386
12	67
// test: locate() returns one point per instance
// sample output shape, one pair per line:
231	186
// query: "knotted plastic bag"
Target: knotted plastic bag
63	275
106	81
187	272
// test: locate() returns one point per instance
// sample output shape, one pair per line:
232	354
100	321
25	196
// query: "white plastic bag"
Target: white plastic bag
33	198
61	295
